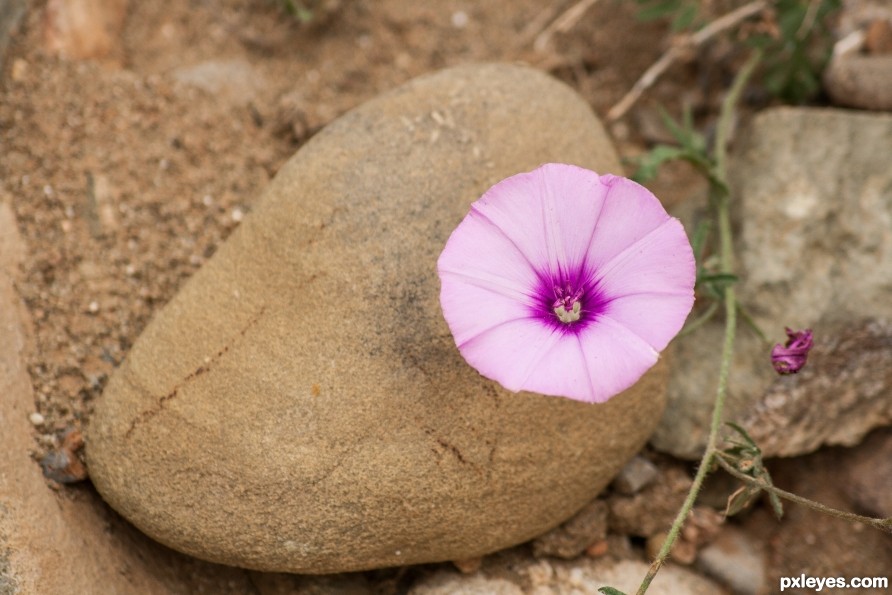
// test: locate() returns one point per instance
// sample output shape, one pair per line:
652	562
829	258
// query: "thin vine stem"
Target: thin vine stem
719	196
882	524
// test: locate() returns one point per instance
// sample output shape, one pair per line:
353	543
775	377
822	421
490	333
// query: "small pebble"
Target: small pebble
237	214
878	39
597	549
93	307
63	465
635	475
736	560
19	69
460	19
36	419
469	565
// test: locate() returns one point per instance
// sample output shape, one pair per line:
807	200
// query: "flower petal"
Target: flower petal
472	308
510	352
594	365
630	212
656	318
481	254
660	262
550	213
572	200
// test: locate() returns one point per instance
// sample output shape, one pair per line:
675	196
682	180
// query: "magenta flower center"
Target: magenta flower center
568	302
567	305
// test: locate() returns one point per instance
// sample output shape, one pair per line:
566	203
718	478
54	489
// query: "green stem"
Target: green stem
882	524
719	194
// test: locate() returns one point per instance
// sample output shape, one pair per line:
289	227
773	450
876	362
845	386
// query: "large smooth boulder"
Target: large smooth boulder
300	404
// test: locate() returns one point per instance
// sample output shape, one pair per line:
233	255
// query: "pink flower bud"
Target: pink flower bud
789	358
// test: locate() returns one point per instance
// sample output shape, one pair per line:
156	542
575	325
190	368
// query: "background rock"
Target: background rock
860	81
552	577
651	510
841	394
305	380
736	561
569	540
638	473
813	211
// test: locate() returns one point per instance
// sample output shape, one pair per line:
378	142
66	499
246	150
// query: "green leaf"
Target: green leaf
750	322
796	58
776	505
746	437
296	9
610	591
683	132
698	241
649	163
657	9
685	18
742	498
775	501
722	278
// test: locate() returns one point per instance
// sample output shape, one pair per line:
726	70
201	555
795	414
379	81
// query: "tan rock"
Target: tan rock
301	406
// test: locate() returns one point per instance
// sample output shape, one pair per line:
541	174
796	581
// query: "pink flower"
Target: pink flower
789	358
563	282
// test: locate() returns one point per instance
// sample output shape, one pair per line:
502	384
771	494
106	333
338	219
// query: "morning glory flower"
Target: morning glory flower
564	282
790	357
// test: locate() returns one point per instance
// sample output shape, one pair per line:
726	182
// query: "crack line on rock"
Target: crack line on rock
202	369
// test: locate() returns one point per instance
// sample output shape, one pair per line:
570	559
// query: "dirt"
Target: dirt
125	177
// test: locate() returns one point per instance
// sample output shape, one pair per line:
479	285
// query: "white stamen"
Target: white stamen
568	317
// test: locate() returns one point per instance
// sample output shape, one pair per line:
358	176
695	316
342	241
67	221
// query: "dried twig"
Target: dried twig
677	50
562	24
537	24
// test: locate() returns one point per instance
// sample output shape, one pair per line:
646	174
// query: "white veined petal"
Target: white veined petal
510	352
661	262
472	308
630	213
616	358
655	318
572	200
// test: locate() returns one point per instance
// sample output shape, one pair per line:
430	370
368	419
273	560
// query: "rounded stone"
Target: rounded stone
300	404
